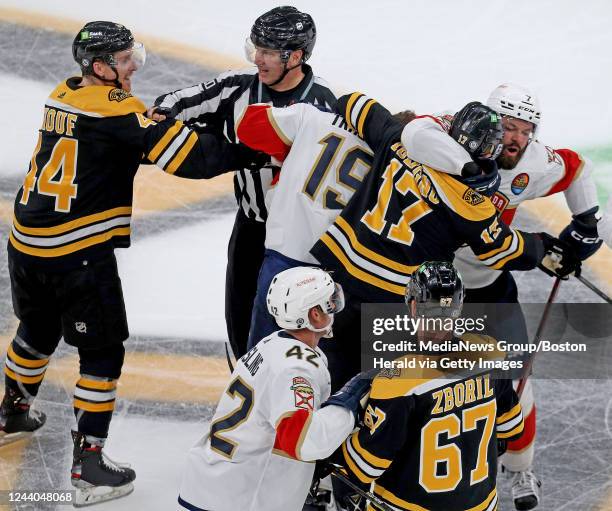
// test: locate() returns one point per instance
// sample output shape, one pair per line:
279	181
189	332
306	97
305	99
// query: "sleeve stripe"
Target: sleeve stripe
172	149
177	161
509	414
363	115
516	431
518	252
363	465
372	460
357	109
349	107
495	251
511	424
354	468
164	141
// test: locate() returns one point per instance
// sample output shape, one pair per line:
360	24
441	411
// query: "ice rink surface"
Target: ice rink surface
429	57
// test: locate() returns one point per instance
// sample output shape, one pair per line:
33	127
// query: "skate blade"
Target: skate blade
96	494
9	438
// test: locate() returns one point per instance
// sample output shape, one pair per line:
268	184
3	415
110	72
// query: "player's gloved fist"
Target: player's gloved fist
250	159
351	395
559	259
481	175
581	234
159	113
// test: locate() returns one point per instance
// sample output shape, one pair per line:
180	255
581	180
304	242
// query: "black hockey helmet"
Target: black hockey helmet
437	289
287	29
98	40
479	130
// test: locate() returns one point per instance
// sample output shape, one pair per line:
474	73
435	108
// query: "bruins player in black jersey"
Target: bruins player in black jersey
405	213
73	209
430	438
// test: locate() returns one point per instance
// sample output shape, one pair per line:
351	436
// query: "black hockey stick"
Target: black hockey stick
539	331
369	496
595	289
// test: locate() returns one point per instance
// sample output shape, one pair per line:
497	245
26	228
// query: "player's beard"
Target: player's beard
509	162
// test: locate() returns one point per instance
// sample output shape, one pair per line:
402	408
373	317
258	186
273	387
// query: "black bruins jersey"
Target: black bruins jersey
429	438
76	199
405	213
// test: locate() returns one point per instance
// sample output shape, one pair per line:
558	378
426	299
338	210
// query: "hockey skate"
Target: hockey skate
17	420
96	477
525	490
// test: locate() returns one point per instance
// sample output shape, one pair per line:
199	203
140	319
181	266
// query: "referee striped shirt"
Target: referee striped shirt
216	105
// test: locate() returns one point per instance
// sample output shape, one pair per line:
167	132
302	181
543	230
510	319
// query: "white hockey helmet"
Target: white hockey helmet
516	101
293	292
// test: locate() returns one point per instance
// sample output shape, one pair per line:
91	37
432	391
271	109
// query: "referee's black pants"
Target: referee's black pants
245	255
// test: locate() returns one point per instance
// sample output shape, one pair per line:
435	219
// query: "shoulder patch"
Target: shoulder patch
118	95
472	197
303	393
519	183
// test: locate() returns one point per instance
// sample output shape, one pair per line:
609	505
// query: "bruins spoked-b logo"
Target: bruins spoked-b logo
472	197
118	95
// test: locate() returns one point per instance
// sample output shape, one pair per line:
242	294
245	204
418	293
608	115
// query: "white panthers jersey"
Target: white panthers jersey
323	163
267	420
541	171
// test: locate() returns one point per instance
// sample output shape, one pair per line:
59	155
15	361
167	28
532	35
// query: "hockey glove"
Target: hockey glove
353	392
482	176
581	234
559	259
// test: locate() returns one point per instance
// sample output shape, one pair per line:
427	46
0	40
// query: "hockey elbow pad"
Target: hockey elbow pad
581	234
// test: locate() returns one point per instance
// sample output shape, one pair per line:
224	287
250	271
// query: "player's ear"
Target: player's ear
296	57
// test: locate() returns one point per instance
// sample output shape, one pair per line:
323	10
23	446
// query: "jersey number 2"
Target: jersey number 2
232	420
63	161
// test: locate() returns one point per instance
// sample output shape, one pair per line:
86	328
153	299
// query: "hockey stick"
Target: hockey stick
228	348
529	364
370	497
595	289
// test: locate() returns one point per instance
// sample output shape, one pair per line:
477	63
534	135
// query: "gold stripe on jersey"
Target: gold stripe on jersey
496	251
489	504
363	115
357	272
370	254
73	224
164	141
373	460
518	252
349	107
453	191
95	101
180	156
510	423
285	139
354	468
70	248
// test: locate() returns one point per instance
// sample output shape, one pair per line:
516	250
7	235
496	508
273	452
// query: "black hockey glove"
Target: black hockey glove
250	159
482	176
581	234
161	110
560	260
353	393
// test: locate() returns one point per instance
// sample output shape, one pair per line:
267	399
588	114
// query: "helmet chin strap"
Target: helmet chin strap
327	329
114	81
284	73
